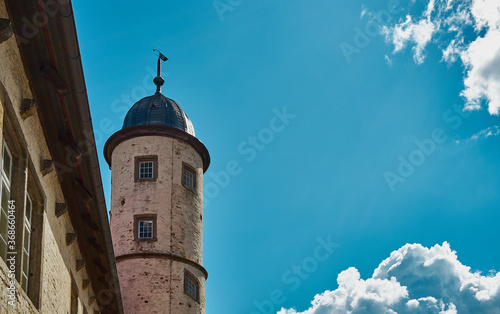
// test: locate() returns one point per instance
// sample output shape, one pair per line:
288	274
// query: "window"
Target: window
7	161
26	243
4	198
188	177
21	189
145	227
146	168
31	245
191	286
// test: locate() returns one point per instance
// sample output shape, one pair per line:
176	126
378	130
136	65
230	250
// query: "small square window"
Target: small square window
145	227
146	168
188	177
191	286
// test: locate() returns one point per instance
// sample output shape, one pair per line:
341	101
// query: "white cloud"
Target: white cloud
364	11
443	22
414	279
448	4
482	81
419	33
388	60
453	51
486	13
491	131
430	8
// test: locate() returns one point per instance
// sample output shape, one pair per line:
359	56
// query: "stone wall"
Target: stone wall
158	280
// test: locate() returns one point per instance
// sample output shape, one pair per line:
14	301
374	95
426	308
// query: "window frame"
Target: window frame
187	168
145	229
148	158
35	262
5	181
148	169
189	276
145	217
23	179
6	149
28	228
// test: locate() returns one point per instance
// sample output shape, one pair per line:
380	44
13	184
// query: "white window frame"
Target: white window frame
141	231
26	243
5	149
147	165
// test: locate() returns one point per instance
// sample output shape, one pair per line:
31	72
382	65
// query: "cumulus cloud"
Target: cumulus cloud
444	22
482	60
413	279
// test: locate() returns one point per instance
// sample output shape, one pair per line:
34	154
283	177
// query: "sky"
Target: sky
354	144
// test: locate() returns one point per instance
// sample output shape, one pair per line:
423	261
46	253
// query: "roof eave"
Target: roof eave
65	115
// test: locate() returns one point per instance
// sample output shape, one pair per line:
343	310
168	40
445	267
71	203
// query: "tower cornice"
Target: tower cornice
161	255
155	130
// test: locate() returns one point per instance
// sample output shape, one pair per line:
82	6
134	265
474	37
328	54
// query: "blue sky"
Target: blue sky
324	126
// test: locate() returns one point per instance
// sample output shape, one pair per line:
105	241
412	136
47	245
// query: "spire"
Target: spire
158	80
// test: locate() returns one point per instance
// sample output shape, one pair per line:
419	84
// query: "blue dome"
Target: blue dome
158	110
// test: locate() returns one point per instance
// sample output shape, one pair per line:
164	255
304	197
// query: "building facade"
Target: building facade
56	254
157	167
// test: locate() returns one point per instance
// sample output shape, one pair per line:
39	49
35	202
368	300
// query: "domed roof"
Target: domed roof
158	110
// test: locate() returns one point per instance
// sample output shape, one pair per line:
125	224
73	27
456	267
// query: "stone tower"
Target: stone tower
157	167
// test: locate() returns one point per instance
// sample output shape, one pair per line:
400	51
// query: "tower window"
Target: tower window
146	168
188	177
145	227
191	286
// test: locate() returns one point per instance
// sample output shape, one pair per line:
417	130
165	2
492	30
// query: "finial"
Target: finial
158	80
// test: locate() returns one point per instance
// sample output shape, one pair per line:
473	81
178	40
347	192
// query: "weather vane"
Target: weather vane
160	55
158	80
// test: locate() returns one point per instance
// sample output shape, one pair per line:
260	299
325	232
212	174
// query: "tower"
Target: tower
156	220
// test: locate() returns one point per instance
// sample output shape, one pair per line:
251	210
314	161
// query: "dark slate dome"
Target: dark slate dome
158	110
